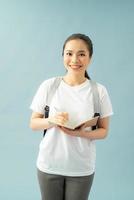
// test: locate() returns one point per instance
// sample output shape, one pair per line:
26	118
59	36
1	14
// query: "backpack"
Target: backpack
52	89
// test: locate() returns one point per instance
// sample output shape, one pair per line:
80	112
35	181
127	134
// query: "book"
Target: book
74	125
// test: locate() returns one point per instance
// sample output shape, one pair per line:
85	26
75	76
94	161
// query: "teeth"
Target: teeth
75	66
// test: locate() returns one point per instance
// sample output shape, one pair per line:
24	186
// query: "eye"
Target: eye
69	54
82	54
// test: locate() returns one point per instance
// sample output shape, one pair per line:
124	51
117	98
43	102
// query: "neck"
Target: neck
73	79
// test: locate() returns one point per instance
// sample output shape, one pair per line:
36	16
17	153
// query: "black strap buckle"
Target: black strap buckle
46	116
95	115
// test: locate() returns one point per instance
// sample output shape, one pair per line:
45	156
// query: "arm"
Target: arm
38	122
99	133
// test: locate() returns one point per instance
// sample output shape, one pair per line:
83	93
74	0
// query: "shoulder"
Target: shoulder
102	90
47	83
101	87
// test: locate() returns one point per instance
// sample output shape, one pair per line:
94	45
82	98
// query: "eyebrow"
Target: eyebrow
80	51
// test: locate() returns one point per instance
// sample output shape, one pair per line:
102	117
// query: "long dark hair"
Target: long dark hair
87	41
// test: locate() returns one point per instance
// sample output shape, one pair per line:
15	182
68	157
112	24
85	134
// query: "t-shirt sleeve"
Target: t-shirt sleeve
39	101
105	103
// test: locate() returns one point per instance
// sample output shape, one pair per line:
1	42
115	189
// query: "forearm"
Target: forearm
99	133
40	124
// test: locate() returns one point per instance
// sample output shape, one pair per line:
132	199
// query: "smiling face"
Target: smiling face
76	56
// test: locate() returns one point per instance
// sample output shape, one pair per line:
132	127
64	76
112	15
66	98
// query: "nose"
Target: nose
74	59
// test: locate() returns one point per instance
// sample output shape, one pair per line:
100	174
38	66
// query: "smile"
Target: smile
75	66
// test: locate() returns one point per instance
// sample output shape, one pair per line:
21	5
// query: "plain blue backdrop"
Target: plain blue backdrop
31	37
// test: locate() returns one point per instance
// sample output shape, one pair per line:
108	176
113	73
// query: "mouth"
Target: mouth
75	66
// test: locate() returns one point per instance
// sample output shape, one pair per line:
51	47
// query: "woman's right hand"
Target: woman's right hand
60	118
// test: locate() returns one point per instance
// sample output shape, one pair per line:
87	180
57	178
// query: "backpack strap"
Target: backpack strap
50	93
52	89
96	100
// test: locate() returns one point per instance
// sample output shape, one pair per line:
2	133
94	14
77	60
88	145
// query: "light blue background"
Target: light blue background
32	33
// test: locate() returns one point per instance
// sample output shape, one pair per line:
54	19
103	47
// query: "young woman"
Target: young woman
66	160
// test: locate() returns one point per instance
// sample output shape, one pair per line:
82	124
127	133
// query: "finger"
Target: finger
61	119
63	114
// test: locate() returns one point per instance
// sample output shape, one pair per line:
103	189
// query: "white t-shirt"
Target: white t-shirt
60	153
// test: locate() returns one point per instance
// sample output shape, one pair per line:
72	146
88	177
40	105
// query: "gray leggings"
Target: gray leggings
57	187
